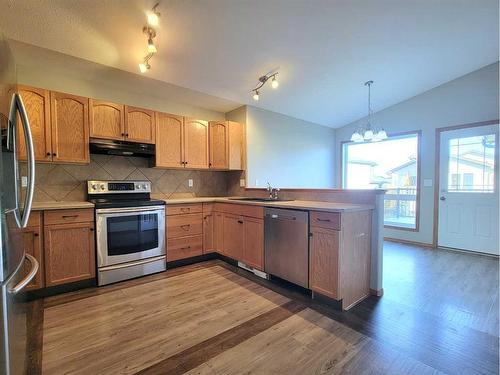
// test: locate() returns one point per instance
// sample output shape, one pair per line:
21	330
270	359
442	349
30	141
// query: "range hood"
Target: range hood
112	147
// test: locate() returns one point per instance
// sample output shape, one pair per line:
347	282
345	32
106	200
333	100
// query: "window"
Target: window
471	164
391	164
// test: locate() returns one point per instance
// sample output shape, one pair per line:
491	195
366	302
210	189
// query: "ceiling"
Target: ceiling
324	49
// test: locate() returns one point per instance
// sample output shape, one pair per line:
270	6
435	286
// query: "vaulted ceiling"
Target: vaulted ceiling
324	49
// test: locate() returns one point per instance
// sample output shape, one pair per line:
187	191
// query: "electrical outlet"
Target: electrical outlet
190	182
24	181
242	182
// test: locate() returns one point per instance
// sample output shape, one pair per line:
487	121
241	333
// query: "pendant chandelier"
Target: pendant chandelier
368	133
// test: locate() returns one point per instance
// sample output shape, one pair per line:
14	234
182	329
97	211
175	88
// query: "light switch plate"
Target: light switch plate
427	182
190	182
242	182
24	181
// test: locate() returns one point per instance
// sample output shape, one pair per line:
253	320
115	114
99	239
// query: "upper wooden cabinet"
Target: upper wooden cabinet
219	144
169	141
139	125
70	128
37	104
195	143
107	120
236	147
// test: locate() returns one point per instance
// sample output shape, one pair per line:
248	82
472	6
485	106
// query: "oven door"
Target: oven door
129	234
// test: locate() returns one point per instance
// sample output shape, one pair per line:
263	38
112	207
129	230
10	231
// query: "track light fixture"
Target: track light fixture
263	80
152	18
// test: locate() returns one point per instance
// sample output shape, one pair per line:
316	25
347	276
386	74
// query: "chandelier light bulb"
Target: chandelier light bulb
256	95
381	135
274	83
357	137
368	135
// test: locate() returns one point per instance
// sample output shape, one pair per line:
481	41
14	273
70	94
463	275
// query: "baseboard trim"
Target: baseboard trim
377	292
409	242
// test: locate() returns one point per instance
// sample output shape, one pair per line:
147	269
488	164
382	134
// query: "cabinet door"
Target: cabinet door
70	128
218	147
69	253
107	120
218	232
169	141
324	262
254	243
236	148
37	104
195	143
139	125
208	233
233	236
32	241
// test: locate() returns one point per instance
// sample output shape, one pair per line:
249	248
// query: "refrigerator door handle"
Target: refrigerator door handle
18	105
26	280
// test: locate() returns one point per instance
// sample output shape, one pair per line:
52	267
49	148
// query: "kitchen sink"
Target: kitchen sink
260	199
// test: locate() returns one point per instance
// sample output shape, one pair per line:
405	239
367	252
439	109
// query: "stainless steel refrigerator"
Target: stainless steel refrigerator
17	268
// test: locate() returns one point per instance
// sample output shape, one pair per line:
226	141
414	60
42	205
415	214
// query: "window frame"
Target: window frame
418	134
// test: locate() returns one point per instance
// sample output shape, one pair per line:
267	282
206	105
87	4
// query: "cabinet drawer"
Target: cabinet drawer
184	225
240	209
34	220
181	209
208	208
328	220
68	216
185	247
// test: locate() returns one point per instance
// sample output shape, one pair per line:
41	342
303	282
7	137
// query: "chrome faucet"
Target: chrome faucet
273	192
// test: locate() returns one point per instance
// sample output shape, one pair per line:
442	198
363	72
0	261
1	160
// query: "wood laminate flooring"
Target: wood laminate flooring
213	318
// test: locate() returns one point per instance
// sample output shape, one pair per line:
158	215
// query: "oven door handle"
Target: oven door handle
152	209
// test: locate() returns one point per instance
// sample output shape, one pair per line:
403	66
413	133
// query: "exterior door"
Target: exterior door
468	189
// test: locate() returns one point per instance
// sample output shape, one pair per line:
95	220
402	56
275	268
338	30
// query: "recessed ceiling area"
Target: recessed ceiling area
324	50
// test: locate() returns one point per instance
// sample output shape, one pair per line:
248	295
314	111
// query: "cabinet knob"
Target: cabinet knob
240	221
126	134
36	234
48	153
209	164
91	229
123	134
54	154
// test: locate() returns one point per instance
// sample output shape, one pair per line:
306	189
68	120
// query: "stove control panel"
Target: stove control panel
116	187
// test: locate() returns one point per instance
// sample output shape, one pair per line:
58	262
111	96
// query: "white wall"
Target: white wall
471	98
287	152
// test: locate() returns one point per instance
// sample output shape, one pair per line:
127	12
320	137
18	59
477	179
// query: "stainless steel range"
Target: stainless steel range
130	230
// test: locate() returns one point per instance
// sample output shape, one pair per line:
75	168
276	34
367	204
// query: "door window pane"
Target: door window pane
390	165
471	164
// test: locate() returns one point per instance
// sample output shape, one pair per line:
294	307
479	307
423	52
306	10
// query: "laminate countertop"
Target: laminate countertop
293	204
38	206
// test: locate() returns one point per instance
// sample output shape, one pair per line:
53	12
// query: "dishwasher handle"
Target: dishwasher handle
282	217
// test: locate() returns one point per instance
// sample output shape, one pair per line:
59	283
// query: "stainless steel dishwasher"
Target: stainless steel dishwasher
286	234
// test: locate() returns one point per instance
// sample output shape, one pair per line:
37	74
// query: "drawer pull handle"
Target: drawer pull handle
186	226
69	216
185	209
359	235
240	221
326	220
186	248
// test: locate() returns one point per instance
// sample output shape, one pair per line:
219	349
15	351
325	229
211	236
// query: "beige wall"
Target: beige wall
287	152
55	71
471	98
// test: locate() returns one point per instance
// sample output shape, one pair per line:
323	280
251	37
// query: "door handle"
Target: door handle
28	277
442	198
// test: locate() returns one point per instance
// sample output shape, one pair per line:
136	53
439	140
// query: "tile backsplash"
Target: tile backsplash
66	182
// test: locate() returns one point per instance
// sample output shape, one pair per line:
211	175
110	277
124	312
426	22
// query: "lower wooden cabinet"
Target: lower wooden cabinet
185	231
324	261
218	231
232	236
69	253
184	247
253	250
32	241
208	233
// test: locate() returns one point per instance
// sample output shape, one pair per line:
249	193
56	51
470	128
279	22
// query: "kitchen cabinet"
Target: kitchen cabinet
70	128
107	120
218	231
339	255
233	236
324	261
236	147
196	143
139	125
69	251
253	249
169	141
31	236
208	228
219	144
184	231
37	104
